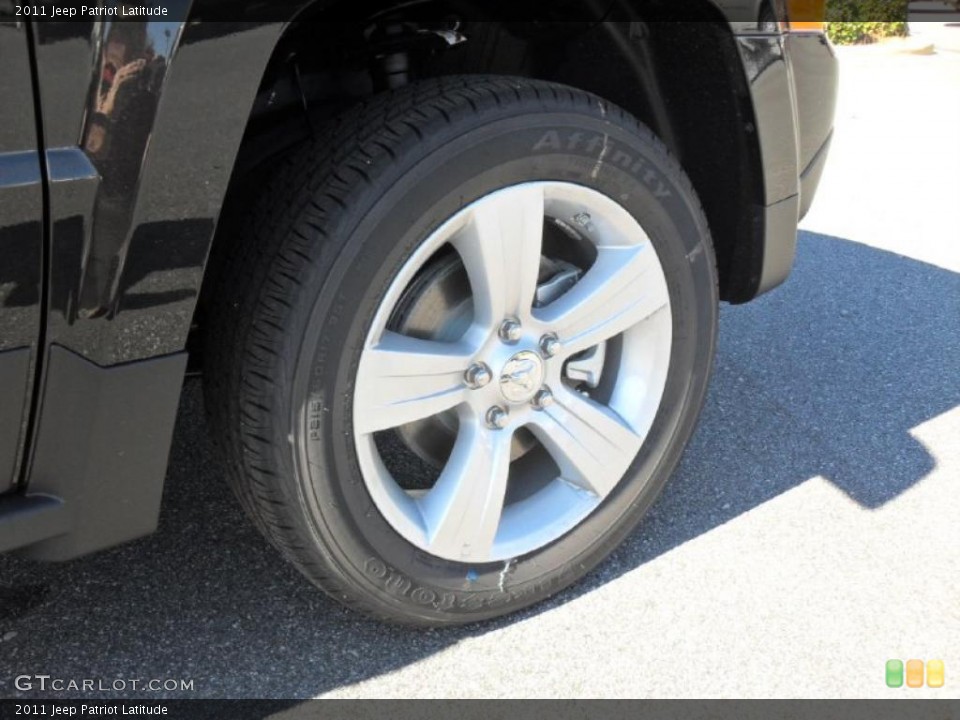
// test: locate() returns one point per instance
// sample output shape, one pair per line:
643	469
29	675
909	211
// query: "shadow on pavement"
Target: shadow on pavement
826	376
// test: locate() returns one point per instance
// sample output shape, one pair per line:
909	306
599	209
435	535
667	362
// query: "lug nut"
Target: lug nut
549	345
477	375
543	399
582	219
497	418
510	331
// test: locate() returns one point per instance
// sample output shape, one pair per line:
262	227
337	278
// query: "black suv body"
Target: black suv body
124	143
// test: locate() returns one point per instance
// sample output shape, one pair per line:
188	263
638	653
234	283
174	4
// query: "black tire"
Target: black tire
303	283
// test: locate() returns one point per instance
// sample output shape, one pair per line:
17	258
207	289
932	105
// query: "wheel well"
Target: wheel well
766	12
684	80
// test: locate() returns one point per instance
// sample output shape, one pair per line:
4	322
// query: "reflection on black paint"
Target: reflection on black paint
125	97
66	257
20	268
135	182
151	251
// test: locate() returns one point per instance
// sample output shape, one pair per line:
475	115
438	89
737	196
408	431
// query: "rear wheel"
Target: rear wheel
462	346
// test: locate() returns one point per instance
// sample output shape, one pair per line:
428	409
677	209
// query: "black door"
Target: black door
21	240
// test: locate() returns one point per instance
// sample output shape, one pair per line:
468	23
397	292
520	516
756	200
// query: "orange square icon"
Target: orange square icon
915	673
934	673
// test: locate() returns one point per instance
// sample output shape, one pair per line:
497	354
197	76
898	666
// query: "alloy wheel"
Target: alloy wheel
577	379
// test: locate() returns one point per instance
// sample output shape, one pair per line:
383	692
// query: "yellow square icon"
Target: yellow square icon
914	673
935	673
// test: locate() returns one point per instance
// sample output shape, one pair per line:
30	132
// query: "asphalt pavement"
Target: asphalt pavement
809	535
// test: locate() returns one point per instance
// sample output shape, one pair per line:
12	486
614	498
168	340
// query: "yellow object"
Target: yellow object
934	673
914	673
805	15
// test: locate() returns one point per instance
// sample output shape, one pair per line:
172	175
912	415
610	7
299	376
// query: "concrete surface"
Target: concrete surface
810	534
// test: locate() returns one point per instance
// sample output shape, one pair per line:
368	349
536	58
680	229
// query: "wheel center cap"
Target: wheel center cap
521	376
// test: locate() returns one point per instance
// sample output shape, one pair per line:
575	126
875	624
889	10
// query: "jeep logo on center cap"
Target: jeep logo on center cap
521	376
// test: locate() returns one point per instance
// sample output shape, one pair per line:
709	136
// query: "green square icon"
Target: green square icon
894	673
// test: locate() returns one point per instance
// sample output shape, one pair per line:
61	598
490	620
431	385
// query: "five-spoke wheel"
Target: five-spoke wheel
507	370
